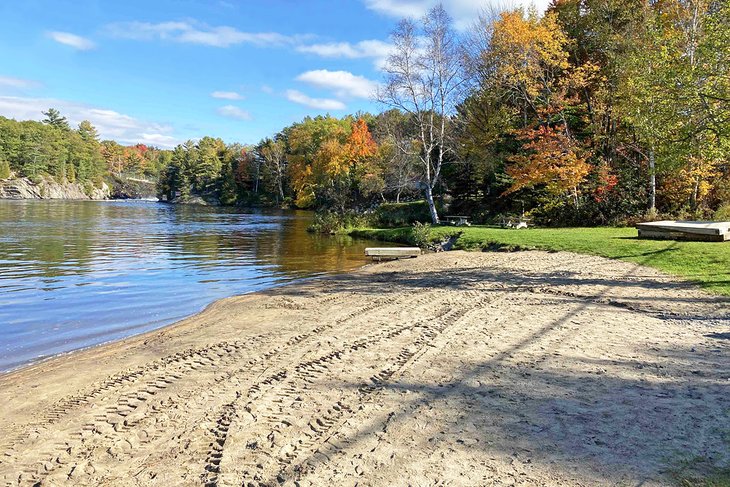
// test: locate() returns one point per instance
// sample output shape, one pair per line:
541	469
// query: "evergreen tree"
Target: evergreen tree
4	169
55	119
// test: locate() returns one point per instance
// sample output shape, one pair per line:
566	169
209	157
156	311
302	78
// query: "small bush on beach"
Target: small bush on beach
421	234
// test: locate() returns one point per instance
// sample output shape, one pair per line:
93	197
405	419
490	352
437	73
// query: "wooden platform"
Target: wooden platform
379	253
685	230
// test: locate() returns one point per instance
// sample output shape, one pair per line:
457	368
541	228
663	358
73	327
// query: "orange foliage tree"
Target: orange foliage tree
551	159
332	169
606	182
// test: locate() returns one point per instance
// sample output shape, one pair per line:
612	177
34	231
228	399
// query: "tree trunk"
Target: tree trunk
695	195
431	205
652	181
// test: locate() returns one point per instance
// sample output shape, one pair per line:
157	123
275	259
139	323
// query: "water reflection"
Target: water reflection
74	274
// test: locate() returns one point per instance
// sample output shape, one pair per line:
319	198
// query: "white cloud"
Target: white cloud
110	124
464	12
400	8
231	111
193	33
226	95
332	49
318	103
267	89
159	140
68	39
17	83
375	49
343	83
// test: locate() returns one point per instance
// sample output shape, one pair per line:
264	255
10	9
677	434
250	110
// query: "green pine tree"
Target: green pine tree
4	169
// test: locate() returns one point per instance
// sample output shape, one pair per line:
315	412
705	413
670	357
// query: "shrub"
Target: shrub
421	234
402	214
330	222
88	188
4	170
651	214
722	213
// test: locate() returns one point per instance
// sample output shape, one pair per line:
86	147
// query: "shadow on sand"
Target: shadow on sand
630	420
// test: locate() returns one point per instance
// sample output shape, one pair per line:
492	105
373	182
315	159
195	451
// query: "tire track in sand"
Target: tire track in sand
118	425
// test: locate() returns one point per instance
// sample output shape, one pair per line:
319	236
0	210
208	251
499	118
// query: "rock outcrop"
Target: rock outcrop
47	189
132	188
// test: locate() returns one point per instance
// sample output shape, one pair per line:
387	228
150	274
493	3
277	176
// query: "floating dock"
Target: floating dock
685	230
380	253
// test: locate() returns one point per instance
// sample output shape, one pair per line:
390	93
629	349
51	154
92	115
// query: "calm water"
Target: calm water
75	274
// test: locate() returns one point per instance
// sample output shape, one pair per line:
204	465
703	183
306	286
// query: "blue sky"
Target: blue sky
163	71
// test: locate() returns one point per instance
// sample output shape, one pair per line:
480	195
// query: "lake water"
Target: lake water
78	273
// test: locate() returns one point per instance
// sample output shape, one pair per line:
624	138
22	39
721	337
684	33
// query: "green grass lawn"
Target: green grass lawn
706	263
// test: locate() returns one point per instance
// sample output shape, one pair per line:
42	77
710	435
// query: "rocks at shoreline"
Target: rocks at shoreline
132	189
47	189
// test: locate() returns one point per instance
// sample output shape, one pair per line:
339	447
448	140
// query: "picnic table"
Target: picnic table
457	220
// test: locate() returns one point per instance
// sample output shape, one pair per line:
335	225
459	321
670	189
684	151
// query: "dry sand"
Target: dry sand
460	368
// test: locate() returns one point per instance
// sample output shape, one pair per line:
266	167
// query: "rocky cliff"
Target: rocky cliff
47	189
132	188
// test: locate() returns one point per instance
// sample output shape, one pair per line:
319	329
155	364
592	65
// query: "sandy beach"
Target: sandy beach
456	368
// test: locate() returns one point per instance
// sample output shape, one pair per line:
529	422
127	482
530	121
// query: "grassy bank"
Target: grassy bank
706	263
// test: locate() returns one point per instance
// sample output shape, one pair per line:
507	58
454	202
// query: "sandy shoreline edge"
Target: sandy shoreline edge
71	353
525	368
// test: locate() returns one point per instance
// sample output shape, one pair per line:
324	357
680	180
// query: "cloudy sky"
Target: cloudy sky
164	71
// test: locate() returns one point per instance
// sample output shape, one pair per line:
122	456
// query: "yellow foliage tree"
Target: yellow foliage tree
692	183
530	62
327	159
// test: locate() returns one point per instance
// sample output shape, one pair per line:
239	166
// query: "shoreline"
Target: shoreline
67	355
454	366
74	278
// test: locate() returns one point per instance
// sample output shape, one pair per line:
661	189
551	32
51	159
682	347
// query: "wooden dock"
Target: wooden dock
685	230
381	253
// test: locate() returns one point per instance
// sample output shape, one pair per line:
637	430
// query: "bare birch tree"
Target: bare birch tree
423	79
273	155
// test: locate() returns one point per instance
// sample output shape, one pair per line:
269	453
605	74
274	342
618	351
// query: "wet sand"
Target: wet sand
527	368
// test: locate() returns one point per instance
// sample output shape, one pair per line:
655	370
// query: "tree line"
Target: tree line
323	163
596	112
52	148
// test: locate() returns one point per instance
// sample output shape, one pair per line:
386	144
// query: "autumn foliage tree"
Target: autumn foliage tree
550	159
331	162
593	111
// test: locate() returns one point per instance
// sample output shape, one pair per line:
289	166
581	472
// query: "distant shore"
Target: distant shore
471	368
47	188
